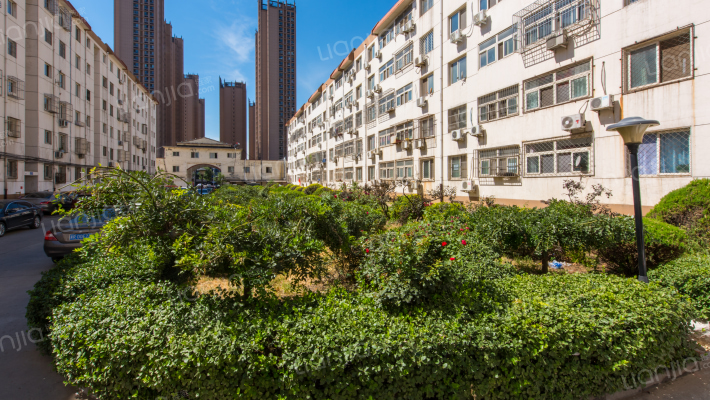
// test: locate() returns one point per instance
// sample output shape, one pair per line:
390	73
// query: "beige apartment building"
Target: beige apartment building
186	158
511	98
71	104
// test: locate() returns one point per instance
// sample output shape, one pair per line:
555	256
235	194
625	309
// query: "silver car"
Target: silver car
67	234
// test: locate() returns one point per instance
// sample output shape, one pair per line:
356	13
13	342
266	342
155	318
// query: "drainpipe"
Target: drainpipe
4	139
441	97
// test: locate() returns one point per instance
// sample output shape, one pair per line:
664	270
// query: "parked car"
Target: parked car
48	201
18	214
205	191
67	235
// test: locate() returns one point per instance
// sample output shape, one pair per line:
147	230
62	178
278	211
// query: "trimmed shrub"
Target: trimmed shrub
440	211
664	243
688	208
691	277
320	191
312	188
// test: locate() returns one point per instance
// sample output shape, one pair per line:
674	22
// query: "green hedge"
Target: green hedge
440	211
555	337
688	207
691	277
312	188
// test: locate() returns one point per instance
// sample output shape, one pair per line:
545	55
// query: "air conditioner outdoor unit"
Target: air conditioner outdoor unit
420	143
320	145
603	103
468	186
120	102
58	154
420	61
409	26
350	77
370	93
390	109
456	36
457	135
378	54
421	102
348	104
477	130
378	89
406	145
371	154
321	124
573	122
481	18
557	42
367	65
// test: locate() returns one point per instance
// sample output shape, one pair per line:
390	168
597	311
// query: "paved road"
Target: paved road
25	374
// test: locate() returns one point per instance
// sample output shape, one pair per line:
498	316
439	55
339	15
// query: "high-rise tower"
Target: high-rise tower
275	77
137	31
233	114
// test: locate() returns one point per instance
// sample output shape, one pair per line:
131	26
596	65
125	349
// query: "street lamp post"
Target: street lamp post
632	130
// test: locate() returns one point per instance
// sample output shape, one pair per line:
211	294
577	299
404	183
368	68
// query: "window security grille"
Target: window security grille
502	162
66	112
51	103
15	88
500	104
664	153
65	19
14	127
562	157
659	61
457	118
565	85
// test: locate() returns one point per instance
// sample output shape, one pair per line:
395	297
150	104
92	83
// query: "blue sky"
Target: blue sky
219	39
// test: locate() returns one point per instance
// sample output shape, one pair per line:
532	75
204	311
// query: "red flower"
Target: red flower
443	244
367	251
335	195
453	259
367	212
463	242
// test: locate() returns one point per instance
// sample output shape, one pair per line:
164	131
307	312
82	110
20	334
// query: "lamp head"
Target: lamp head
632	129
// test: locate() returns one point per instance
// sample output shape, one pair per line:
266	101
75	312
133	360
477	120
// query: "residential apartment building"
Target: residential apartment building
275	77
193	109
138	37
252	126
70	103
510	99
233	114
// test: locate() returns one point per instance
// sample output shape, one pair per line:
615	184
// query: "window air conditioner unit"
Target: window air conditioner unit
477	130
573	122
456	36
457	135
378	89
406	145
370	93
420	143
378	54
603	103
481	18
421	102
409	26
420	61
557	42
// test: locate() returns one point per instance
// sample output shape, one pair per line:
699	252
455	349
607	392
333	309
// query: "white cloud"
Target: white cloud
238	38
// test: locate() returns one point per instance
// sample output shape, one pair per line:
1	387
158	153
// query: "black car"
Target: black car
49	201
18	214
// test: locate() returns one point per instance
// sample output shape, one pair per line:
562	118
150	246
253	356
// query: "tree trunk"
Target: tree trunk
545	262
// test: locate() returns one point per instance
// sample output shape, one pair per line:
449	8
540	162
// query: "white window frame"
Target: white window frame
456	66
552	80
658	135
404	95
460	17
555	153
386	70
627	52
404	169
499	162
505	99
505	43
462	162
404	57
457	118
387	170
431	167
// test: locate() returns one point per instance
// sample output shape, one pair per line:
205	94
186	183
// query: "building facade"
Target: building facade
71	104
252	126
138	38
510	99
187	158
233	114
275	77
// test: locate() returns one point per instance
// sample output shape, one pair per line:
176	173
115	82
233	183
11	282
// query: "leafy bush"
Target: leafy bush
320	191
664	243
440	211
688	208
691	277
408	208
312	188
556	337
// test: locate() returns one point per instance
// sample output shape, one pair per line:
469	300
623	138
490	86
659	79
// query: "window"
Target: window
62	49
48	70
457	167
371	113
559	157
371	83
662	61
458	70
486	4
194	155
15	88
386	70
499	46
47	172
247	170
428	169
404	95
11	169
47	36
405	131
358	174
503	162
77	34
387	170
176	168
213	156
371	144
348	174
77	90
110	90
61	80
11	48
426	43
269	170
386	37
11	8
404	57
386	103
48	135
428	85
665	153
176	154
500	104
427	128
77	62
458	20
386	137
405	169
568	84
426	6
371	173
457	118
14	127
230	170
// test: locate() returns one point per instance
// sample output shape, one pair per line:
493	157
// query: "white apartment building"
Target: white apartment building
510	98
70	103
